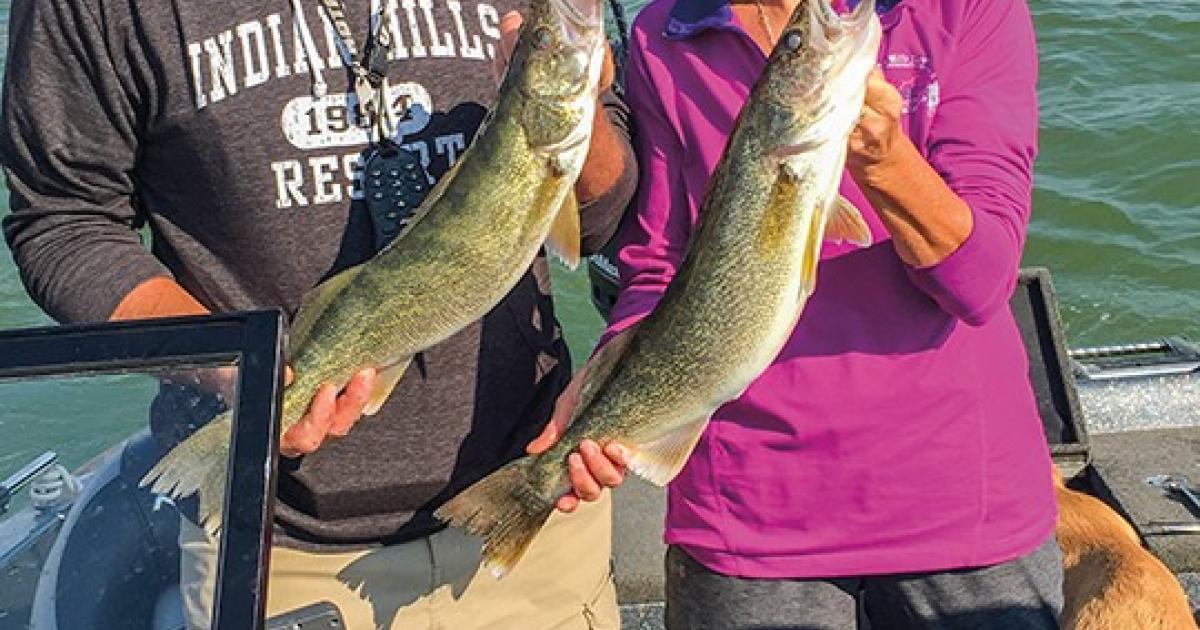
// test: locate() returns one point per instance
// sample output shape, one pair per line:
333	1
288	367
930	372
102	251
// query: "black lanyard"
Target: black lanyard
394	180
370	69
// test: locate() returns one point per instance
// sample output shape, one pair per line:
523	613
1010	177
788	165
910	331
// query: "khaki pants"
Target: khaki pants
564	581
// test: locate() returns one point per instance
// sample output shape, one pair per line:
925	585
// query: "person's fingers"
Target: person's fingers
882	96
618	454
873	124
289	375
307	435
510	26
601	468
560	419
567	503
510	29
350	403
548	437
564	406
582	481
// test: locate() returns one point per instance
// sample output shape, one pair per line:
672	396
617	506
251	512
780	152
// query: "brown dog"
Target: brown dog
1110	581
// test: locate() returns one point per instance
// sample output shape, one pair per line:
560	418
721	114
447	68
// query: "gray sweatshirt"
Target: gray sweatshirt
199	120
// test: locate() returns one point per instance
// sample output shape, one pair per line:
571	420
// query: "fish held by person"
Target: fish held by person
467	245
738	294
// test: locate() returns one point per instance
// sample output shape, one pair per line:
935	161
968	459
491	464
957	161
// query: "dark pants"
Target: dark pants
1023	594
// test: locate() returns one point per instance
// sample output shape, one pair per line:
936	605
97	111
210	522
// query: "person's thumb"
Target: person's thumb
554	429
564	408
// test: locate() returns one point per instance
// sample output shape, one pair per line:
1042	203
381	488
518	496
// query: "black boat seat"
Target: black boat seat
116	562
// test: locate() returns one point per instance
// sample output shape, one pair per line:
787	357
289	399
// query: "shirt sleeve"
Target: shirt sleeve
655	239
598	218
983	142
70	140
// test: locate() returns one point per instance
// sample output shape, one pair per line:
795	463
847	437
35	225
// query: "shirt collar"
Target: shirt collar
691	17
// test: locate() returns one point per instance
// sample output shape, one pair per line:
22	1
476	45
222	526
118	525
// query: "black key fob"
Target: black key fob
394	184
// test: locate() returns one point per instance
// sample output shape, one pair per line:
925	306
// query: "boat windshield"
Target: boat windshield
85	540
83	543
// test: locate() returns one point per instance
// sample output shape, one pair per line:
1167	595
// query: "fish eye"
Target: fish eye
793	40
543	38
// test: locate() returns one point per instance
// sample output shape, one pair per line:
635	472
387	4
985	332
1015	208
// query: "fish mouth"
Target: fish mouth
580	19
833	30
861	15
580	24
858	17
845	40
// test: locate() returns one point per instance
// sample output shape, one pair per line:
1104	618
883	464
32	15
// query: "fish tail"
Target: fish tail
197	465
505	510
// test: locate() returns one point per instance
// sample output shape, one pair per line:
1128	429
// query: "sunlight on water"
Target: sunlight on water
1117	208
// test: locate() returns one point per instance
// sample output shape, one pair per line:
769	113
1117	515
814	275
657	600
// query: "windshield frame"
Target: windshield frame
254	341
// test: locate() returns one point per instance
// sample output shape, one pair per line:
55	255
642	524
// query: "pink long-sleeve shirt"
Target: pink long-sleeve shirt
897	430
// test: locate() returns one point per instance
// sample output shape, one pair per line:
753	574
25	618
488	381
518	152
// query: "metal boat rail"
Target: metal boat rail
13	484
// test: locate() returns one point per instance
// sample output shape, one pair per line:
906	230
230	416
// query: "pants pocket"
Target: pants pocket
600	611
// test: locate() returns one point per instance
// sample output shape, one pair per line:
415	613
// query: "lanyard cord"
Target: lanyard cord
364	69
369	67
315	64
621	46
336	11
621	22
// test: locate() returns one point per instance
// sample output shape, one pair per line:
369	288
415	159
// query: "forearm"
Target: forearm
926	219
605	159
609	177
157	297
77	262
957	216
606	153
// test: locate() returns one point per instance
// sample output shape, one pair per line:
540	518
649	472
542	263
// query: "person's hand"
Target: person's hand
592	468
510	29
878	136
331	413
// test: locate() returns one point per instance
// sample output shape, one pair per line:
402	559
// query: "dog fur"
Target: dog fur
1110	581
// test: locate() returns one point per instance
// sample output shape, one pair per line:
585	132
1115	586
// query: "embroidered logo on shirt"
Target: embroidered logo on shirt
916	81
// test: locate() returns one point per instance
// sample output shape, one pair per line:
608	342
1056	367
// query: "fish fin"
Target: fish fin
811	256
385	382
314	303
659	460
600	367
846	223
563	240
810	252
504	510
197	464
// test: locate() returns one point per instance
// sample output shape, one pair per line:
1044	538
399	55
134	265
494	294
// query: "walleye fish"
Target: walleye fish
736	298
468	244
